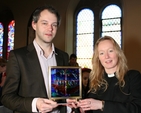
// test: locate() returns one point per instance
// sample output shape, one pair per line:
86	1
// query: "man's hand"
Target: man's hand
45	105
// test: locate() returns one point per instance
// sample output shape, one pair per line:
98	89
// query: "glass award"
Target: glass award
64	82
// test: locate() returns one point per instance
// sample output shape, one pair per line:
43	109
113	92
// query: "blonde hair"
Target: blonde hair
97	80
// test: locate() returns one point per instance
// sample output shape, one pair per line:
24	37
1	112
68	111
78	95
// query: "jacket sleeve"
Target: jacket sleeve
10	97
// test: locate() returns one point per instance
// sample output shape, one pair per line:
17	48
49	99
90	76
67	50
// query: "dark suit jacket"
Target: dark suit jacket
25	79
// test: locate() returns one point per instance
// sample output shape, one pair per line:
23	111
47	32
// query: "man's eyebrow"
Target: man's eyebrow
44	21
47	21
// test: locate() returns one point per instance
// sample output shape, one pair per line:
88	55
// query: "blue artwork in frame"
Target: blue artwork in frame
64	82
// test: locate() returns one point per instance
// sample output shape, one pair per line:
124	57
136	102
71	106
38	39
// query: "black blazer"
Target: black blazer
25	79
121	100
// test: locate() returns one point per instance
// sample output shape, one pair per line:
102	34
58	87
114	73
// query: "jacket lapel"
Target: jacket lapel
59	58
35	66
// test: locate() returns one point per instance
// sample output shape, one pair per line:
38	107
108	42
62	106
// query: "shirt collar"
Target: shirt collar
111	75
39	49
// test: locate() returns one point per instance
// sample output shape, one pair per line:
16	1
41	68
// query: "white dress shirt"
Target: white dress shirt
45	63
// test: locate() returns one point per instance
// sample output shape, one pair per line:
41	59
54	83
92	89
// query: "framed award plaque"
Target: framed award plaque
64	82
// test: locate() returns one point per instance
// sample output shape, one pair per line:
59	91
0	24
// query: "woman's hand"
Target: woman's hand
89	104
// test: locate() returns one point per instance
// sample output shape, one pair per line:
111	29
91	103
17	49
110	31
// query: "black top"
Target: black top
121	100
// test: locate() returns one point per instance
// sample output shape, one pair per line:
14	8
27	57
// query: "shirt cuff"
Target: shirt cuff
69	109
34	108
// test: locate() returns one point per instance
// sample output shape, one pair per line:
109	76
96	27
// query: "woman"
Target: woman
85	81
113	88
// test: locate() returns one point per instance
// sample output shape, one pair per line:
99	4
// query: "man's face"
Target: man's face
46	27
73	60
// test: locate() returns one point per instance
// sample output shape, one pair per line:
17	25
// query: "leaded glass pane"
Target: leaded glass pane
11	31
111	11
85	37
1	38
111	22
115	35
111	25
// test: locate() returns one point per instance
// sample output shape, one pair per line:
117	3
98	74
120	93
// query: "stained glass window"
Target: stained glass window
111	22
1	38
11	31
85	37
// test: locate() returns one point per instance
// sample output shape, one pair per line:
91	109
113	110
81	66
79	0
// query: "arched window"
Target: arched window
11	31
111	22
7	30
1	38
106	20
7	40
85	37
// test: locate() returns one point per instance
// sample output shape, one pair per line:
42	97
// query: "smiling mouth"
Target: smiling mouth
109	61
48	34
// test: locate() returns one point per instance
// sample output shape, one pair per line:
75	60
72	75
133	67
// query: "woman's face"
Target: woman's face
85	78
108	56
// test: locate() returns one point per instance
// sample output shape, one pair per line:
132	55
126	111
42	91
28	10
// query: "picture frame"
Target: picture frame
64	82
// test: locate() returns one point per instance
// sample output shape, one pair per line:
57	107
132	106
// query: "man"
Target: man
73	60
25	89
